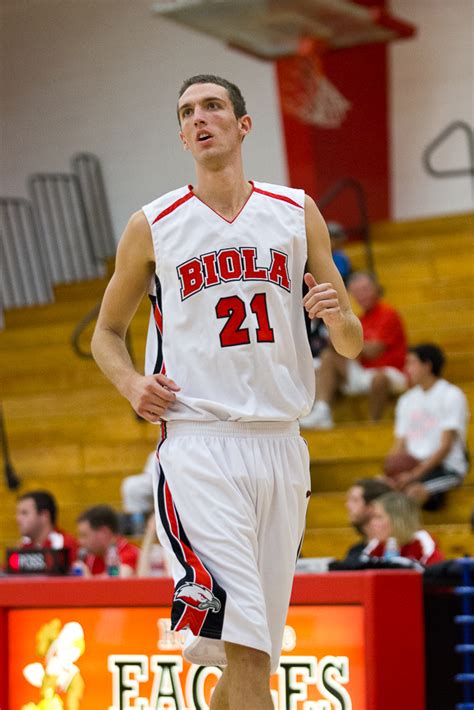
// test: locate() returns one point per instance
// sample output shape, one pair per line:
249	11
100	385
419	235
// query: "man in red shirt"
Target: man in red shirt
378	371
36	514
97	530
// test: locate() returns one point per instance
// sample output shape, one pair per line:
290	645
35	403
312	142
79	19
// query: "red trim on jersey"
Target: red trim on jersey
158	316
284	198
192	617
229	221
174	206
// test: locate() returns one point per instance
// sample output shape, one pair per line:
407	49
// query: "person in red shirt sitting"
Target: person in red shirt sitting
36	514
396	516
379	370
97	531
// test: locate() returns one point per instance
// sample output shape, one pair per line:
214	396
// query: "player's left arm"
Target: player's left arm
327	296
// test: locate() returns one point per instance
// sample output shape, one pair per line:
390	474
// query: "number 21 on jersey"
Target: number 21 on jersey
235	310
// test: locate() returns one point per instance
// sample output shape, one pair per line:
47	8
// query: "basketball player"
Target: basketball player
230	373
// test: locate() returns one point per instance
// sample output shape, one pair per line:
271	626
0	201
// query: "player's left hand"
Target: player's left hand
322	301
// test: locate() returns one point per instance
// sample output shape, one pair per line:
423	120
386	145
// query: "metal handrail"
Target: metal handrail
80	328
11	478
440	138
363	228
78	331
76	335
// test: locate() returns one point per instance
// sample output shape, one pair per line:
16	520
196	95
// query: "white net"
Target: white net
327	107
310	96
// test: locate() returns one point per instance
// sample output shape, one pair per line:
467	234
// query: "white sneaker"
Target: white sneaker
319	417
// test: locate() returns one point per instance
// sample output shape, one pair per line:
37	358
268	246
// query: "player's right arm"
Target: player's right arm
134	268
327	296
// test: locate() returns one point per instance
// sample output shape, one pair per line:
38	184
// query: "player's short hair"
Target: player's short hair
235	95
372	488
43	500
427	352
100	516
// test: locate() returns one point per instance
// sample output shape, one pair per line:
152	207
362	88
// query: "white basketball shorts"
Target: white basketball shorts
231	505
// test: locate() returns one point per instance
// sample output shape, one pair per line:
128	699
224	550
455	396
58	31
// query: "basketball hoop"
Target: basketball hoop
306	91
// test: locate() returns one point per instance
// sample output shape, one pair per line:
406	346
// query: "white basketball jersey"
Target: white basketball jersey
227	316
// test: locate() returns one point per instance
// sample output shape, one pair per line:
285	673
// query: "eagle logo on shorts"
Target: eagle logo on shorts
198	597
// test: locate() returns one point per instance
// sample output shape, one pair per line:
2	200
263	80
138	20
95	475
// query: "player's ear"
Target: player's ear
245	125
183	140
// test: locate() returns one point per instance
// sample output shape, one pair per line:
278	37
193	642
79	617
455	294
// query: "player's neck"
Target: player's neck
226	190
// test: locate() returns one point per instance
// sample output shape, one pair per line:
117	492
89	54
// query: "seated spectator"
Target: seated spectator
377	372
137	490
429	456
97	530
36	515
397	516
359	503
153	560
338	237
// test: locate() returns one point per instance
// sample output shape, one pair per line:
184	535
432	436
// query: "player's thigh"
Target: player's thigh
281	530
214	505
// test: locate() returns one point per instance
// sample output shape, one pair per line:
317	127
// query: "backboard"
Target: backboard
272	29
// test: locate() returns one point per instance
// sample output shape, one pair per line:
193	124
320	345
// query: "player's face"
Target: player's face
209	127
365	292
356	506
380	525
28	519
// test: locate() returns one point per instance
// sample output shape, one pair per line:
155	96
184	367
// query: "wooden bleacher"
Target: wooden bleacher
427	270
72	433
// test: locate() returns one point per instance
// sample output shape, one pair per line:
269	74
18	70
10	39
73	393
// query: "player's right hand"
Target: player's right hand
322	301
151	395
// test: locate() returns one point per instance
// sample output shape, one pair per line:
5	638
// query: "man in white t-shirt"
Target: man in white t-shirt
430	425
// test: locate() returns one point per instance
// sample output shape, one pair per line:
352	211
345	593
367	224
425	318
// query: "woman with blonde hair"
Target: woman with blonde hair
396	517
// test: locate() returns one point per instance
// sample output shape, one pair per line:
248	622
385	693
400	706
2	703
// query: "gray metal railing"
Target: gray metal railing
87	168
26	277
453	127
58	202
362	228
